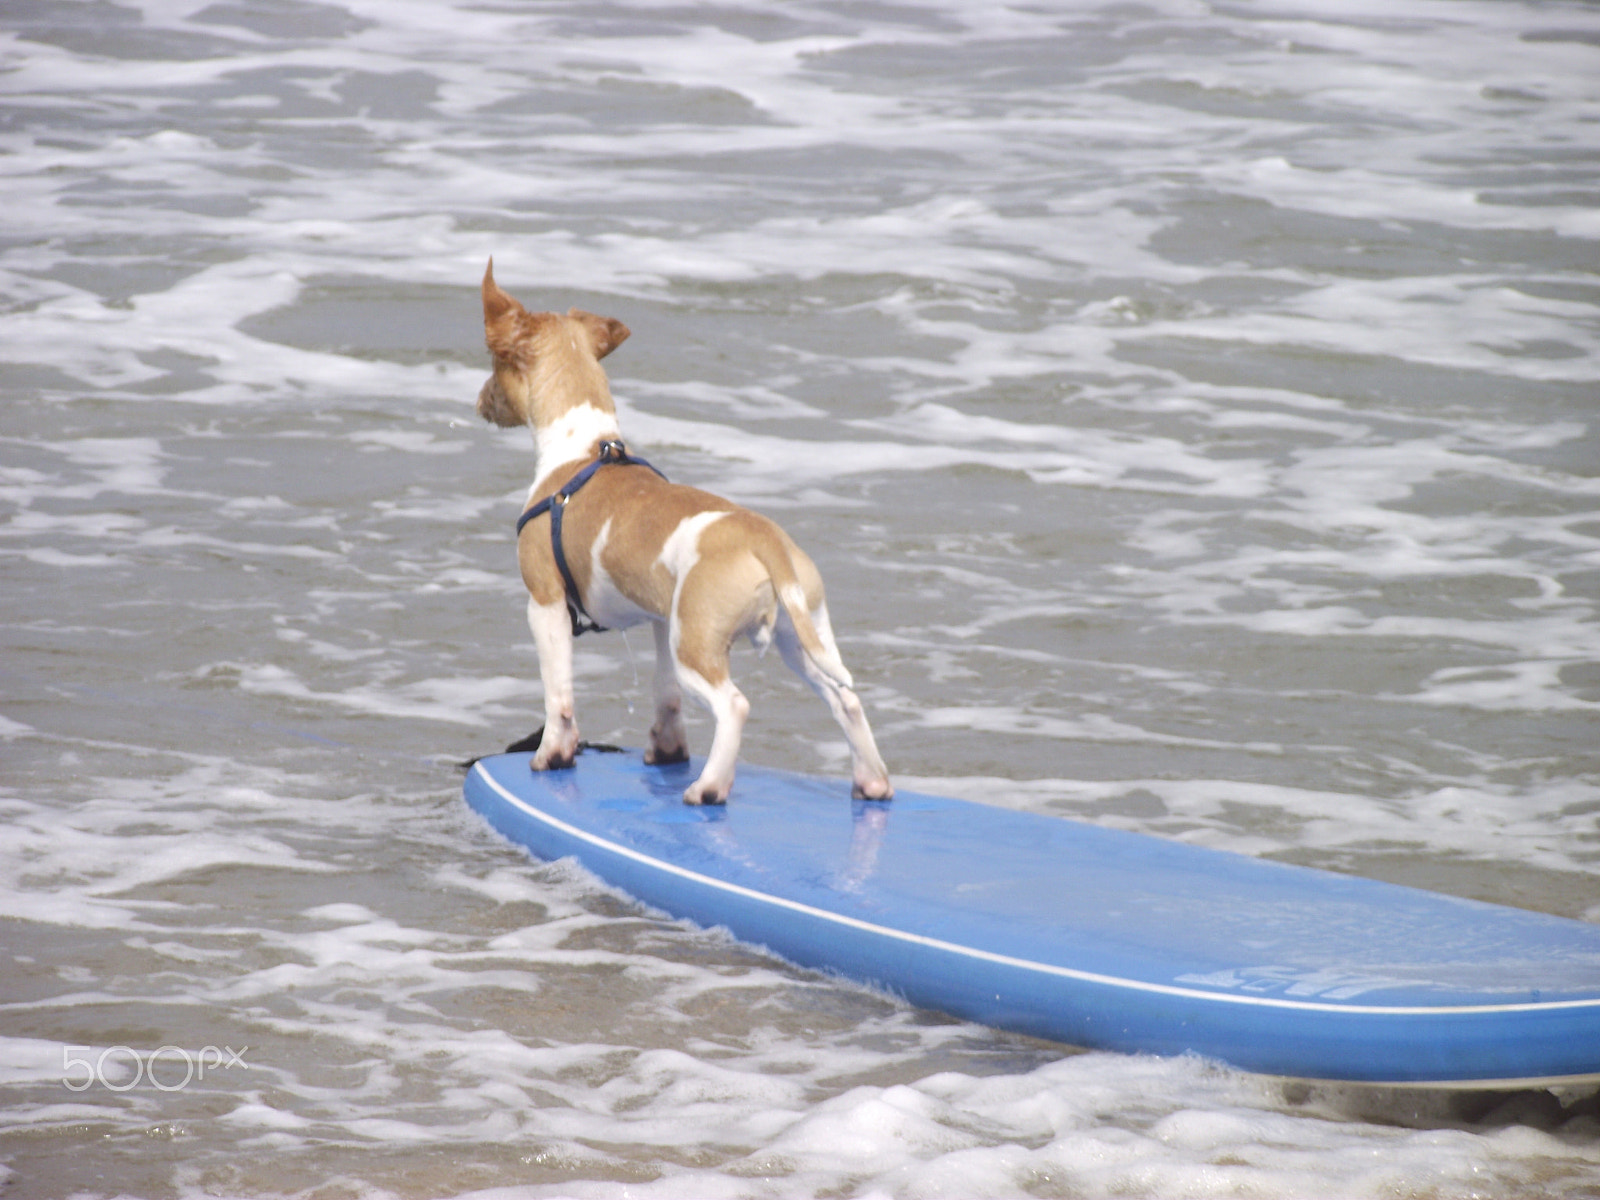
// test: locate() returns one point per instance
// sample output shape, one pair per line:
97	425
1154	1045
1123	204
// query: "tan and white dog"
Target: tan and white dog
702	571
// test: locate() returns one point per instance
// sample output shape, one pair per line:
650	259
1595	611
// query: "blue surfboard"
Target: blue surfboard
1094	937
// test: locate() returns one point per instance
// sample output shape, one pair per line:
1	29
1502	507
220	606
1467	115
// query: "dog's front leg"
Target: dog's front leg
552	637
668	743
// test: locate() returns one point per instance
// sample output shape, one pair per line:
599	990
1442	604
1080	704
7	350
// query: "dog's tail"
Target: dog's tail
774	554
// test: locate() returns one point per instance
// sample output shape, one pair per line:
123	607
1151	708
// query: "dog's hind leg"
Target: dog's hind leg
552	636
869	777
709	610
730	709
668	743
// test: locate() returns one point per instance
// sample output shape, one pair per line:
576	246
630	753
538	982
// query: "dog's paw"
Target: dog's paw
667	742
664	756
558	745
554	761
709	796
872	789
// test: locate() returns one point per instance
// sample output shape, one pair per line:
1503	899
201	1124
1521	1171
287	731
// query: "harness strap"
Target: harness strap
611	451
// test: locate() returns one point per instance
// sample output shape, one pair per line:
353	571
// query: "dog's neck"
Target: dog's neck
573	436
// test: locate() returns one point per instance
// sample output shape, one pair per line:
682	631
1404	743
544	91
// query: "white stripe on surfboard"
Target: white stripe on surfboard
1006	959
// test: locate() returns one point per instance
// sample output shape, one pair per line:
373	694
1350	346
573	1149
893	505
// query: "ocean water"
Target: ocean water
1193	407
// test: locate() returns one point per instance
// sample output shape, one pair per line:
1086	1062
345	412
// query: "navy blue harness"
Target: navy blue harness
611	451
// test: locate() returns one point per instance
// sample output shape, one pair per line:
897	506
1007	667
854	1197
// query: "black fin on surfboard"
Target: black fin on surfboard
527	745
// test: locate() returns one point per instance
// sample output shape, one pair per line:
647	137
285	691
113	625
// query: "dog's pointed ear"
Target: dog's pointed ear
496	303
605	333
503	317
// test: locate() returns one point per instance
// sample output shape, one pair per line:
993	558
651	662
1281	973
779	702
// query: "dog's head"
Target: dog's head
545	364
